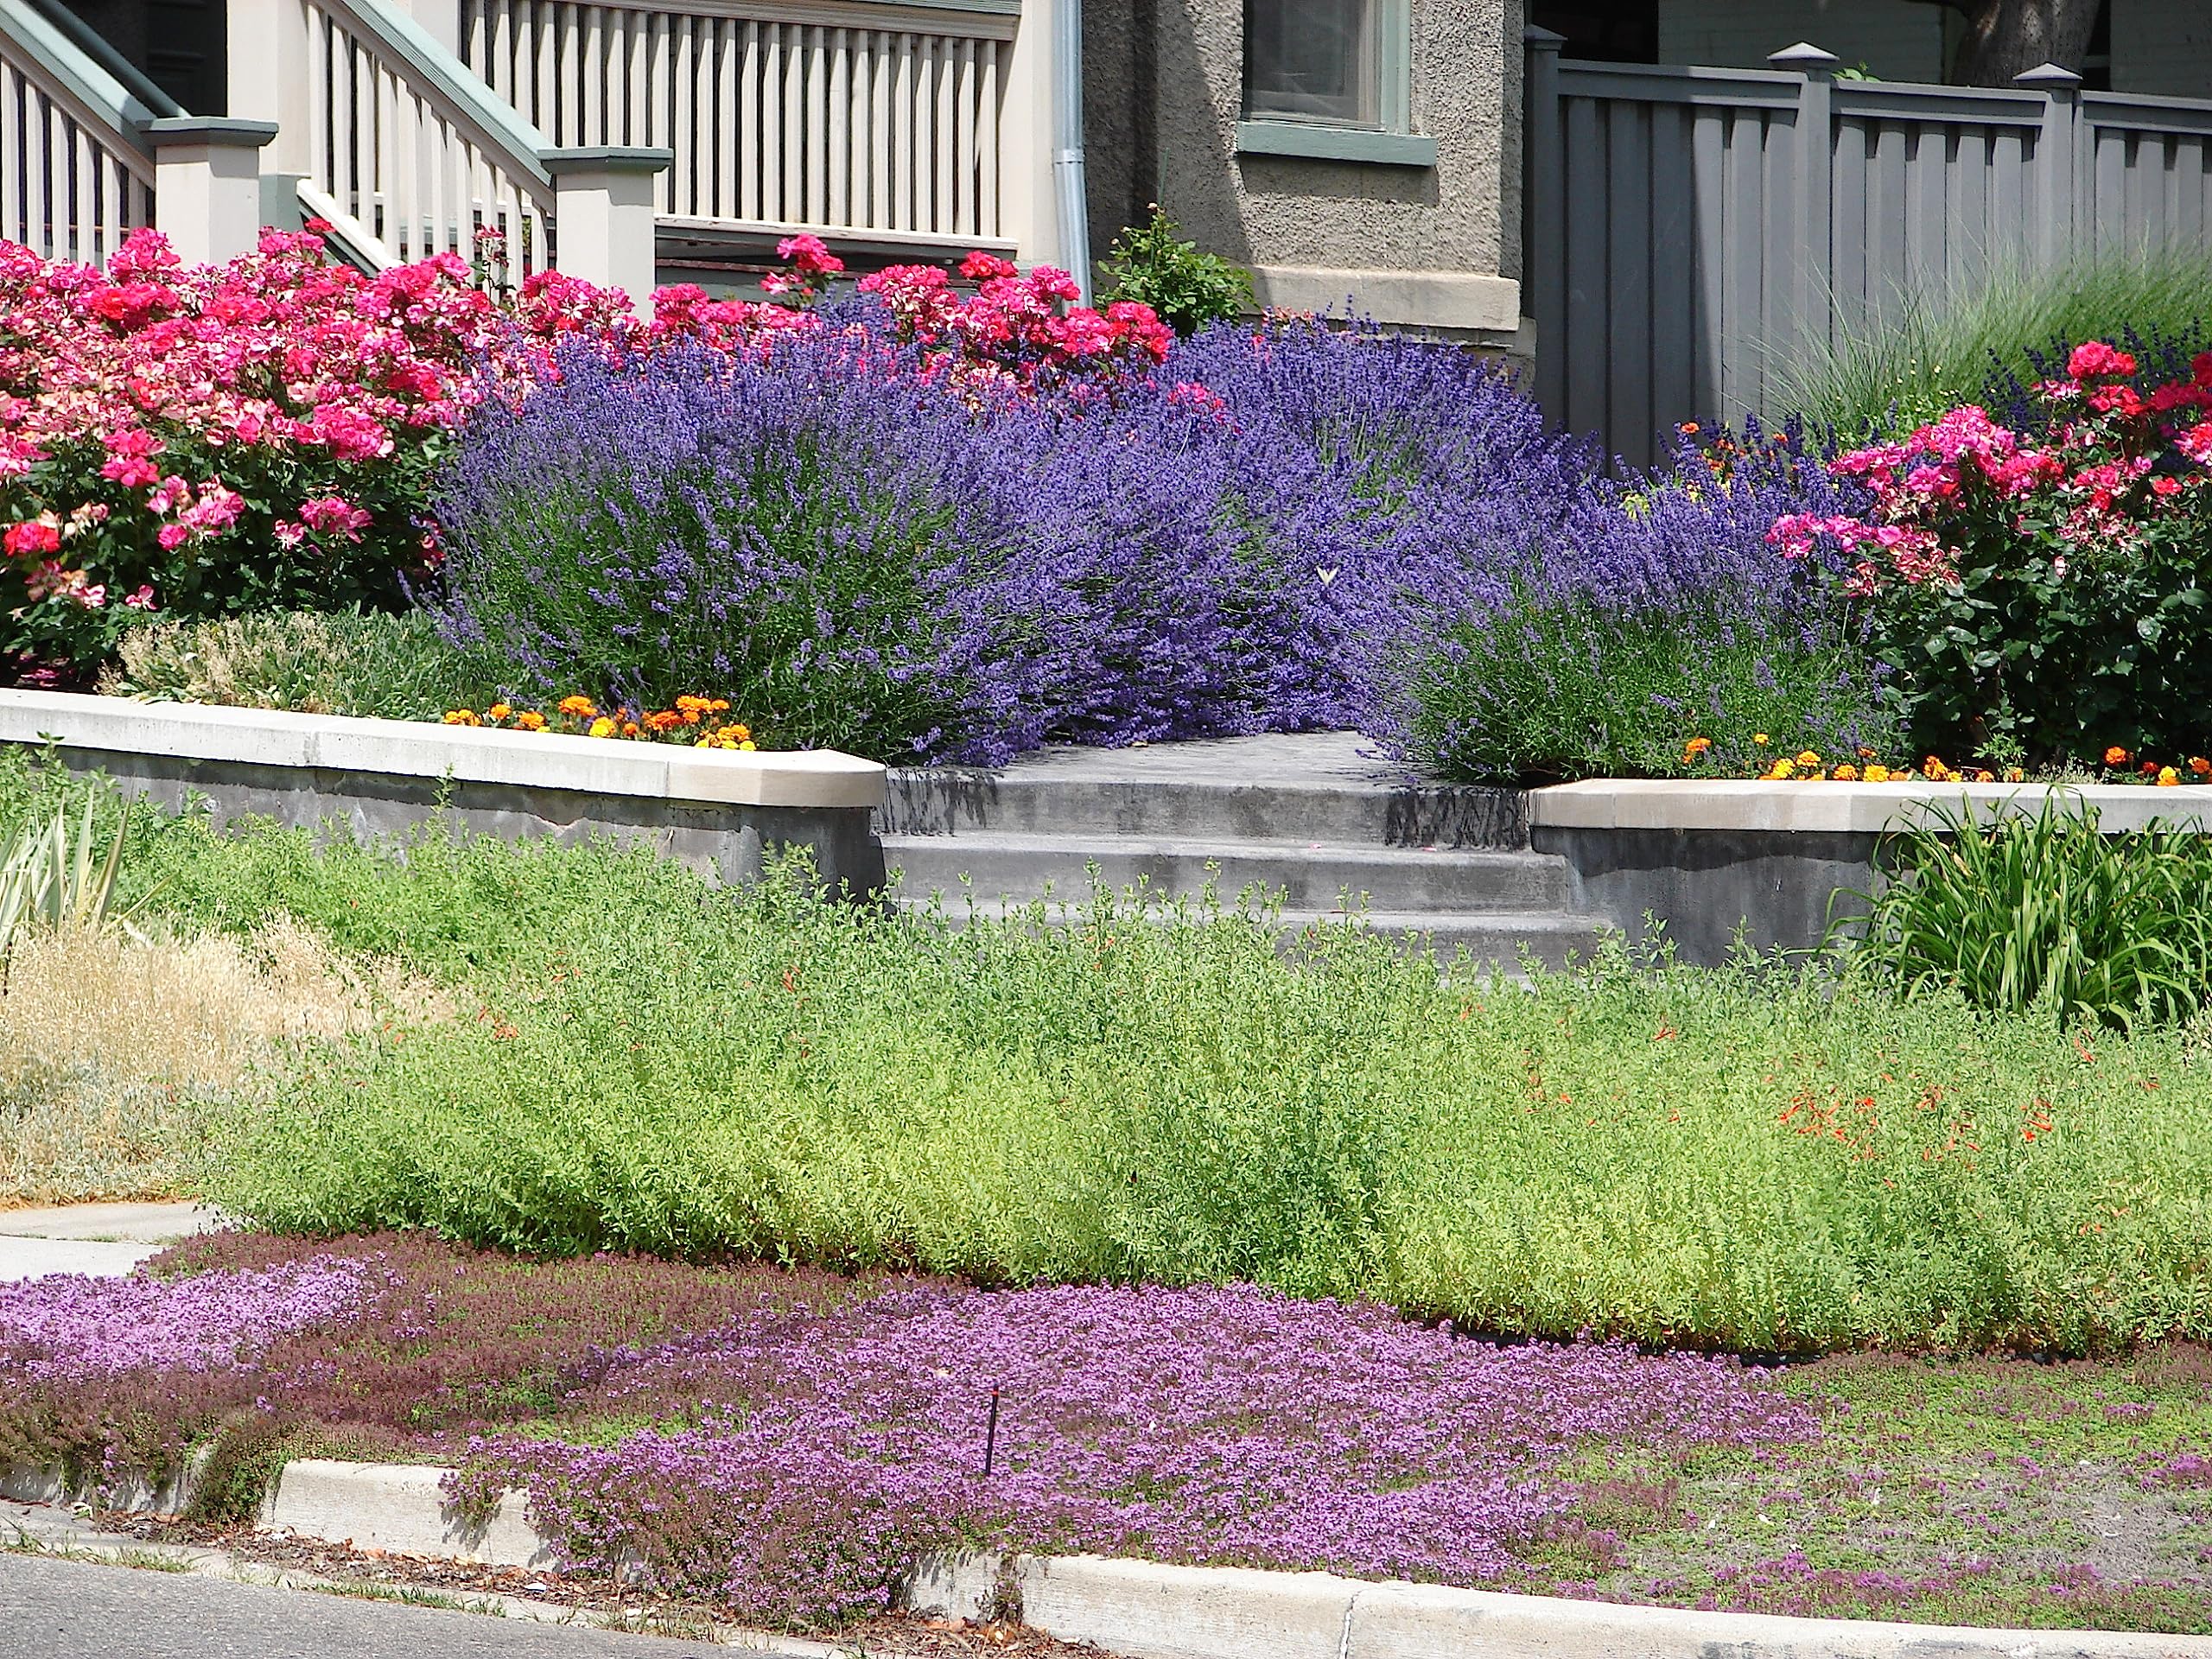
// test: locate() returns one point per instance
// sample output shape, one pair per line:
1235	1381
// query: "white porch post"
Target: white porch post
603	214
207	184
269	77
1028	204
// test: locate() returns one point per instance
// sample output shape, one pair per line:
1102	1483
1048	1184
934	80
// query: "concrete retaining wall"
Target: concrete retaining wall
721	812
1775	862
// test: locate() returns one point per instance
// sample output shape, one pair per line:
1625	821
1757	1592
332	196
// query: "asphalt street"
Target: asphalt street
57	1608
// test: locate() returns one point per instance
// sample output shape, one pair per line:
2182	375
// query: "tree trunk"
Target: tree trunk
2004	37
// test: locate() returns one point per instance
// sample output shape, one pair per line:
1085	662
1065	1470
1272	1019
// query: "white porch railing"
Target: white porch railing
862	121
76	171
408	160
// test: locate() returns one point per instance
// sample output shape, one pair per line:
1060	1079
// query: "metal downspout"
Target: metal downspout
1072	191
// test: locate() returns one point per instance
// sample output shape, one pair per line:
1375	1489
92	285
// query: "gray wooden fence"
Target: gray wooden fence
1691	232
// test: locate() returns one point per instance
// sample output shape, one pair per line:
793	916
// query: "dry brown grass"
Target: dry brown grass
118	1053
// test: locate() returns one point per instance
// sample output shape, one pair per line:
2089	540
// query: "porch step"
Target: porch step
1311	876
1319	786
1492	939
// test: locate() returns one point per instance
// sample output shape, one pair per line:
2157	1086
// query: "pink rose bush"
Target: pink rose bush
2039	592
1020	329
261	435
198	440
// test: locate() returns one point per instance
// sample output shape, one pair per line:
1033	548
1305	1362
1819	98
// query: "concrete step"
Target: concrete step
1312	876
1496	939
1324	786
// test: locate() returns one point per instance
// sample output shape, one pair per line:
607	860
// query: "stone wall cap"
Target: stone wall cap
667	772
1767	806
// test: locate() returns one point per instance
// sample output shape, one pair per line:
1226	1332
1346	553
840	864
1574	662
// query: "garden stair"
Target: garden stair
1315	817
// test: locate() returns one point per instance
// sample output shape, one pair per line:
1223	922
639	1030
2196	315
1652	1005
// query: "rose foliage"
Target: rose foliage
2040	591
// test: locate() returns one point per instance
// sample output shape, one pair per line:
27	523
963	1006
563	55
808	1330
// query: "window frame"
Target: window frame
1390	141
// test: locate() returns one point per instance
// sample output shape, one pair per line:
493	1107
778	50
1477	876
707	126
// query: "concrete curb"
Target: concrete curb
1146	1610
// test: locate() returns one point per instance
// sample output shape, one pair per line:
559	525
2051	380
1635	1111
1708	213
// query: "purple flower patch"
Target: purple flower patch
818	1455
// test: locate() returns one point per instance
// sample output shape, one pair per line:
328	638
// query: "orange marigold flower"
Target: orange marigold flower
497	711
582	708
1847	774
530	720
1808	758
2168	778
1985	775
462	717
2015	775
1695	746
629	728
2200	766
2116	756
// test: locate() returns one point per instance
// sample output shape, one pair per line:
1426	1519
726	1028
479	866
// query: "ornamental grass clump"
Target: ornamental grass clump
2043	914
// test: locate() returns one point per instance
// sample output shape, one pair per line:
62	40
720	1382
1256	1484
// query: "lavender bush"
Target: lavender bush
1299	528
1657	612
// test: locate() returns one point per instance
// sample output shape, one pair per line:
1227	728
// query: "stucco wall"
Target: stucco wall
1434	247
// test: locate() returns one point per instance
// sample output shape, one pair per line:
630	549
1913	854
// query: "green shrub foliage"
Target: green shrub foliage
1152	263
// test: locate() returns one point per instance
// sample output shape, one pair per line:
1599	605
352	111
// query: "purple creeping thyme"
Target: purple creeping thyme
815	1455
67	1326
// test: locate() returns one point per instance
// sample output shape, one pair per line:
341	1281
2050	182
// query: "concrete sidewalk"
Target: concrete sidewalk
101	1240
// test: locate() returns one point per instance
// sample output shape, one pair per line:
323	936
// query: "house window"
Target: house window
1331	80
1313	60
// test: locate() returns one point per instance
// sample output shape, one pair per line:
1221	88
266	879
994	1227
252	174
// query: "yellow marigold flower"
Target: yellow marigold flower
1937	772
1877	773
1847	774
497	711
2116	756
747	745
462	717
1808	758
1780	769
602	726
530	720
2015	775
582	708
1985	775
1759	738
2168	778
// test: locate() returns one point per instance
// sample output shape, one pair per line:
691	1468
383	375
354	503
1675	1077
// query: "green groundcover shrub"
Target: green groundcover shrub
316	662
1748	1159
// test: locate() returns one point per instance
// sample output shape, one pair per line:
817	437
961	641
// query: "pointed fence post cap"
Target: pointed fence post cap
1536	35
1805	58
2048	78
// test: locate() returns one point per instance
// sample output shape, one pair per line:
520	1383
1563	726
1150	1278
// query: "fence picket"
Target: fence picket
1676	229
